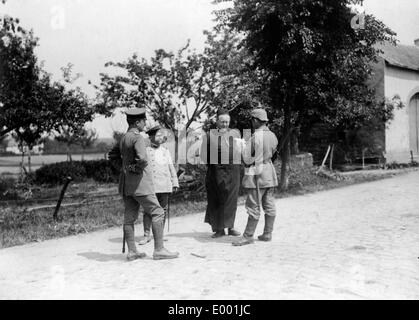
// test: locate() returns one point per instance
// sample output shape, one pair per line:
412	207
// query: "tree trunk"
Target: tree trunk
285	148
363	159
69	154
22	162
294	142
178	157
29	160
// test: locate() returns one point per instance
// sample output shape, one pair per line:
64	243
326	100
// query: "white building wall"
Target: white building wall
404	83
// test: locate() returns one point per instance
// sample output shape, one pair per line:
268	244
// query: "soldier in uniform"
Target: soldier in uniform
260	179
137	188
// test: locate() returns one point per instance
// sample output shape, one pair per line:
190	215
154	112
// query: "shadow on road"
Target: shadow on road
202	237
199	236
119	240
102	257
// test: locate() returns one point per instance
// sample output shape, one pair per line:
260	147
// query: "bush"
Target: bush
53	174
101	171
7	189
6	183
79	171
396	165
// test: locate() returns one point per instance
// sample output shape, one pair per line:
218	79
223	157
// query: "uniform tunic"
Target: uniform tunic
260	179
136	181
222	179
133	151
264	143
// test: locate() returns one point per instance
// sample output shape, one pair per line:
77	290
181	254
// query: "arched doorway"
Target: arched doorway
414	123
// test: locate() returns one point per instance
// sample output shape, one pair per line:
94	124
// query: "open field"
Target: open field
11	164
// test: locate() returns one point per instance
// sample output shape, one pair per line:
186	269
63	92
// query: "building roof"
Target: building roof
401	56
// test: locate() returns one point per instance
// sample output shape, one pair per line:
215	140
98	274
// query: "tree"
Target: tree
240	86
179	89
317	66
18	74
69	135
31	104
187	87
86	140
76	111
3	142
27	137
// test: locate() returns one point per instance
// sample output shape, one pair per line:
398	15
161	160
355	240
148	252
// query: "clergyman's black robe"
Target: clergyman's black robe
222	180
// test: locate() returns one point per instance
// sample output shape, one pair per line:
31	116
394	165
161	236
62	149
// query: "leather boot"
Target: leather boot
147	238
160	252
233	232
164	225
147	230
133	254
248	233
267	231
218	234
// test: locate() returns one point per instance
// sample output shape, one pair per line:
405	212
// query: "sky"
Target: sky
89	33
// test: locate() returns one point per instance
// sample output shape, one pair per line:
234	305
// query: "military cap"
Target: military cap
259	114
135	112
153	130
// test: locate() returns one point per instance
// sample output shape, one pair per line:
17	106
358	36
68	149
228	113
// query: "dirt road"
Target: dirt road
357	242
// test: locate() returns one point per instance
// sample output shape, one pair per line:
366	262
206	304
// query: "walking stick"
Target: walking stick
123	240
168	214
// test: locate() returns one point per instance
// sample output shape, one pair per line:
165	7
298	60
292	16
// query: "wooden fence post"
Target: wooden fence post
57	208
324	160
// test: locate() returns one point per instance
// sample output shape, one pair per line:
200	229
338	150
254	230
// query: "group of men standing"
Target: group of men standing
223	176
137	187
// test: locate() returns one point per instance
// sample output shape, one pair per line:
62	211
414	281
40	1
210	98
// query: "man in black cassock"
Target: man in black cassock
223	159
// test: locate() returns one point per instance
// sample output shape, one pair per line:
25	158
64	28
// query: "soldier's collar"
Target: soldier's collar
263	128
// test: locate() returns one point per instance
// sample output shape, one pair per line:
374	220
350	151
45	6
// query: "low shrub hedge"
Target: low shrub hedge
7	188
101	170
79	171
55	173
